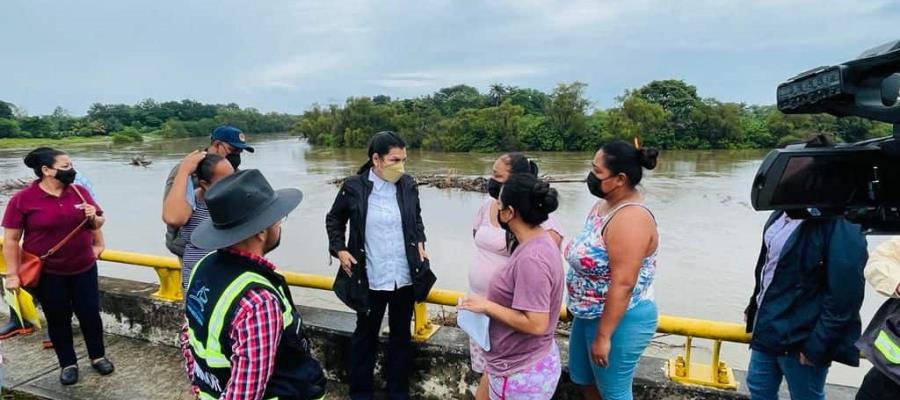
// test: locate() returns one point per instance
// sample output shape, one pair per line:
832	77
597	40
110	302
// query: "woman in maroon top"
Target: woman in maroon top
44	213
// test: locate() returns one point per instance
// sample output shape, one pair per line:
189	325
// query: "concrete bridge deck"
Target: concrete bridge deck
142	334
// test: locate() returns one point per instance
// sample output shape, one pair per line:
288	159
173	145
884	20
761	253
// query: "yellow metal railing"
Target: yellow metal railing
681	368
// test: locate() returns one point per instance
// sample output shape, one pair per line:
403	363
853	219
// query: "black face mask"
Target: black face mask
493	188
234	159
594	185
275	246
503	225
66	176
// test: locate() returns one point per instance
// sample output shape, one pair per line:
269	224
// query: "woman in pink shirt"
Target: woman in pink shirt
523	297
491	241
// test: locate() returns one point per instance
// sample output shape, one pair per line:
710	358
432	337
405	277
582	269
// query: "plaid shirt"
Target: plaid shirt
255	333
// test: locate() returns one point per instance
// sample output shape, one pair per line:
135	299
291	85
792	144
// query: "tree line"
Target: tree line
667	114
125	123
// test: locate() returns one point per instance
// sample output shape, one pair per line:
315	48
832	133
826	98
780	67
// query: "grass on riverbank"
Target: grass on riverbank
30	143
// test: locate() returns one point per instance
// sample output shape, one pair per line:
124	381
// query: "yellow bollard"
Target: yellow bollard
167	269
423	329
717	374
169	285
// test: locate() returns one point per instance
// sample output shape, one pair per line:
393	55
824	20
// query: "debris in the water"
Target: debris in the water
461	182
11	185
140	161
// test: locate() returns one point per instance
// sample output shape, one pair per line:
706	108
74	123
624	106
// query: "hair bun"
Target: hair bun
647	157
533	167
33	158
544	198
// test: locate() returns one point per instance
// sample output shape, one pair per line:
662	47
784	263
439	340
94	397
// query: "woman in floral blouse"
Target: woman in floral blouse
612	262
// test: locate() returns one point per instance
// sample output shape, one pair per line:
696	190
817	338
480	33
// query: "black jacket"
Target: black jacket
812	304
351	205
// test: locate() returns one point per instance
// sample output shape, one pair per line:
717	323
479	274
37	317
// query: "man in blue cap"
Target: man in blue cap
226	141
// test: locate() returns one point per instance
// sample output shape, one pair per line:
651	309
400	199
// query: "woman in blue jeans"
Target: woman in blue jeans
610	280
804	311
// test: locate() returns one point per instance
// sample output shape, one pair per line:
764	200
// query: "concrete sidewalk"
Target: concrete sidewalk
143	371
156	372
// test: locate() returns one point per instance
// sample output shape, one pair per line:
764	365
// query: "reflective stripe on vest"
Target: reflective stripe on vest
887	347
212	353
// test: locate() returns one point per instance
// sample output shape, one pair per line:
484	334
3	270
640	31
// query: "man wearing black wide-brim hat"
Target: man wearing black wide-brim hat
245	338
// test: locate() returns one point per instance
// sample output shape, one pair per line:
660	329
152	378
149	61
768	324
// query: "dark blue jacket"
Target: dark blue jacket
812	304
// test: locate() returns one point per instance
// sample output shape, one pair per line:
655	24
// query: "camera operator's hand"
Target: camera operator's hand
805	361
883	269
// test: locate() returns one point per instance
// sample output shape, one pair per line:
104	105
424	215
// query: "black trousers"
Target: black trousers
60	296
877	386
364	345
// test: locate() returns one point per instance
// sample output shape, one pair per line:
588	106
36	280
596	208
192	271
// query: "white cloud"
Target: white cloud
471	74
290	73
571	14
328	17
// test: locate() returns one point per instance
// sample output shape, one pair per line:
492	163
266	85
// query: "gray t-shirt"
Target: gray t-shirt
174	242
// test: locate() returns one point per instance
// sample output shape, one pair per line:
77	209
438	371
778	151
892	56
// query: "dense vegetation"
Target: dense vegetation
667	114
125	123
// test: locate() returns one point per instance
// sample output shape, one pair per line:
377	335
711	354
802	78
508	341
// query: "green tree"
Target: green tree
532	100
717	125
414	119
675	96
566	111
640	118
497	94
6	110
854	129
9	128
537	133
455	98
38	127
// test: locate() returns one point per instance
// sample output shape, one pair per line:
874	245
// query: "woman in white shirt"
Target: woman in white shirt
383	263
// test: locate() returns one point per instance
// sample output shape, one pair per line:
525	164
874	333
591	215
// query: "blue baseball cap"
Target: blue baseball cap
231	135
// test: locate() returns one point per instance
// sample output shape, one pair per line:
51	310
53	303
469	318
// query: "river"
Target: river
710	236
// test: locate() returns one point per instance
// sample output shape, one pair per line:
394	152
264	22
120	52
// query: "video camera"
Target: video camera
860	181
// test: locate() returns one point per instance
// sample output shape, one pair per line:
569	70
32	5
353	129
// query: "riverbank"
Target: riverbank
62	143
30	143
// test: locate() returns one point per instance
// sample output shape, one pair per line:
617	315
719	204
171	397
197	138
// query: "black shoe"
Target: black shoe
69	375
103	366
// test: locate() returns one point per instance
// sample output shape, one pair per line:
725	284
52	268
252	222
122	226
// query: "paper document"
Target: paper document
10	298
477	326
21	302
28	309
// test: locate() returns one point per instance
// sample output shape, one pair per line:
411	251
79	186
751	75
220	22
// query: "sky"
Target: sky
284	55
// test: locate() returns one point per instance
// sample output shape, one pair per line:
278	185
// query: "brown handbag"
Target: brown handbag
30	265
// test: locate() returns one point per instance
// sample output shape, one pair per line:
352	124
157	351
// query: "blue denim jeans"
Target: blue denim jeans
766	372
628	343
